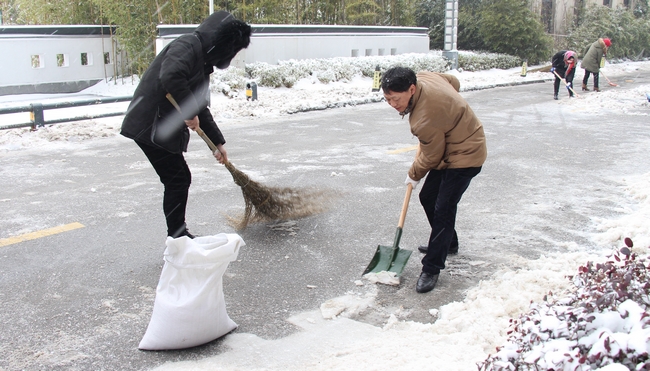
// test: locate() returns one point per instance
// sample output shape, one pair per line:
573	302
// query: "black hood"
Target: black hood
222	37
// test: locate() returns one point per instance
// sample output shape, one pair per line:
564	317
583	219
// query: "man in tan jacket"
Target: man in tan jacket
452	151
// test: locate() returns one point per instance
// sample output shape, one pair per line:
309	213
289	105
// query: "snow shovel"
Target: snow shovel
392	258
608	81
565	83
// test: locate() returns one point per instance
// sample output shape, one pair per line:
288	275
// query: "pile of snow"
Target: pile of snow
604	322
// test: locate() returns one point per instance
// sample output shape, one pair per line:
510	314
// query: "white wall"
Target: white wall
17	64
274	44
269	43
271	49
20	44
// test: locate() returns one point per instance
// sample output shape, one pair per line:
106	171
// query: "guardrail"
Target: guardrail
37	118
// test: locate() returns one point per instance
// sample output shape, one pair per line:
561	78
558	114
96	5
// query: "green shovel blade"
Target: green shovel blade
389	258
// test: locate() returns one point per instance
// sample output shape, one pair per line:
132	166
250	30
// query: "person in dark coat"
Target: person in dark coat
564	66
182	70
591	61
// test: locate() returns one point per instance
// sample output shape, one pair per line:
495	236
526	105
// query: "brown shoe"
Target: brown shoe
596	89
584	87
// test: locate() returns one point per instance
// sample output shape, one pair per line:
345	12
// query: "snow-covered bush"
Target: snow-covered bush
477	61
325	76
287	73
605	321
265	74
228	81
291	71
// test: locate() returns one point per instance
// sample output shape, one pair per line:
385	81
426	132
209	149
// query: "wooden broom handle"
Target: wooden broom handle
405	206
199	131
207	140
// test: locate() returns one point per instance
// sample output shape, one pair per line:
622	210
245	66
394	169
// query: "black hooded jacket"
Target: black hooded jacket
183	70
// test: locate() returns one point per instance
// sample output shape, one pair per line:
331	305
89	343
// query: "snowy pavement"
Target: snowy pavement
565	180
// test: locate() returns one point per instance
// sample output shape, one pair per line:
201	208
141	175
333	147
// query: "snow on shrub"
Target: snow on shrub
606	321
476	61
228	81
265	74
287	73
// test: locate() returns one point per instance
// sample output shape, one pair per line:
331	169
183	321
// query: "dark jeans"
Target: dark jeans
440	195
585	79
568	79
176	177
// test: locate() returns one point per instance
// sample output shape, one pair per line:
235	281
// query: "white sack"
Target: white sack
189	308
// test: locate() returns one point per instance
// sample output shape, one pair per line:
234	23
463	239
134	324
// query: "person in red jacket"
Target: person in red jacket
182	69
563	66
452	150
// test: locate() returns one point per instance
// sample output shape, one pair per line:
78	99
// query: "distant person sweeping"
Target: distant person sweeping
563	67
182	69
591	62
452	152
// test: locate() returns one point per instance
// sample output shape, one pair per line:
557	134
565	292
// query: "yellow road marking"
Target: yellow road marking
40	234
402	150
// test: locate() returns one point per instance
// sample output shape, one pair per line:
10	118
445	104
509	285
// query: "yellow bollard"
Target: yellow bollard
375	79
524	68
249	91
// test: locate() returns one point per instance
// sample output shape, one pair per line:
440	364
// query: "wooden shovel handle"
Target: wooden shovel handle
565	83
407	197
405	206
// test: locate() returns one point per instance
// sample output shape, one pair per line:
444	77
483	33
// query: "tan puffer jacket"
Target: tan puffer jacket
450	134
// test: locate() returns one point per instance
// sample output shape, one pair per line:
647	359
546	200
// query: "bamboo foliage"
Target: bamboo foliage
136	20
193	11
363	12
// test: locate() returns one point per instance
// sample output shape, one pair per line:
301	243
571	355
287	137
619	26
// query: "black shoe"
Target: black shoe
453	250
184	233
555	97
426	282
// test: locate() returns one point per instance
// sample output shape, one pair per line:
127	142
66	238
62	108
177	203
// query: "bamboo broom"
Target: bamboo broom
264	203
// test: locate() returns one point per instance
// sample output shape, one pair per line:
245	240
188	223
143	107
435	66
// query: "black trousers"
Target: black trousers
568	79
176	177
585	79
440	195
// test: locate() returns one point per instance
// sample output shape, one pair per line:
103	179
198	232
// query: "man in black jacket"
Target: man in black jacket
182	70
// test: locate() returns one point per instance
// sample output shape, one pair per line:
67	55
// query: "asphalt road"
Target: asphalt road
82	299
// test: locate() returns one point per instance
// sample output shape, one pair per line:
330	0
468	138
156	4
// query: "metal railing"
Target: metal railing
37	117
